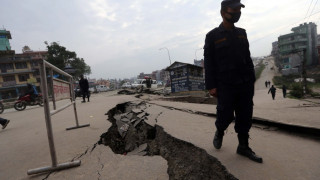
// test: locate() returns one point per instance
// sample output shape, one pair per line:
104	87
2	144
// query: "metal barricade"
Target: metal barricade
44	88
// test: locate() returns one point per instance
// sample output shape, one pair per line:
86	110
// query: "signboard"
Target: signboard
183	80
9	83
61	89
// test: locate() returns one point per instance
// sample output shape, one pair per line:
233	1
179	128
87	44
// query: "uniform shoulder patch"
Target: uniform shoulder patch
220	40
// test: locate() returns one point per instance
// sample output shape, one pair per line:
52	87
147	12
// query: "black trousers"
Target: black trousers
3	121
85	94
235	103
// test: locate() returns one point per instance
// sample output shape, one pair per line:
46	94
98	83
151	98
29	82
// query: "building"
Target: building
199	63
318	47
302	37
143	75
275	48
16	70
186	78
5	48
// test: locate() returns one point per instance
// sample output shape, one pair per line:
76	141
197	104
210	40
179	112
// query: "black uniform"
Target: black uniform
273	92
284	91
84	87
229	68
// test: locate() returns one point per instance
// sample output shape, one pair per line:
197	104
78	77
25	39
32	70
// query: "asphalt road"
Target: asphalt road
24	144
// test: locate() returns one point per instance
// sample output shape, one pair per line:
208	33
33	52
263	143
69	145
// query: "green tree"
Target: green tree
61	57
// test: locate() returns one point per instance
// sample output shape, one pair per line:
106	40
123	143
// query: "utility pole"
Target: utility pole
304	72
167	51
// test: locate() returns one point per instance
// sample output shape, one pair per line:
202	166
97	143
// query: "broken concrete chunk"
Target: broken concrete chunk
137	111
133	120
126	120
137	122
117	117
141	115
122	127
141	150
129	115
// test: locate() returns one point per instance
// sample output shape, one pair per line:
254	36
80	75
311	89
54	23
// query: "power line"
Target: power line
313	8
308	10
283	28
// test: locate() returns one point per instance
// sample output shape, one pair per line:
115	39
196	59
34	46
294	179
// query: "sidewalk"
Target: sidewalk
281	110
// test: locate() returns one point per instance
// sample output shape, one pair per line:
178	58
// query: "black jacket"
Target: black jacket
227	57
84	85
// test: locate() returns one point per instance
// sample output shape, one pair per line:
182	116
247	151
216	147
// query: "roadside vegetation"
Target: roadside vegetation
259	69
296	88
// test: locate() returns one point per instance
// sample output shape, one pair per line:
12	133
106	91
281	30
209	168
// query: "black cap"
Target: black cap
231	3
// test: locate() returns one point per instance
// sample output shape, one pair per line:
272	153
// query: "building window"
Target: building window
8	78
6	66
34	64
23	77
36	72
9	66
21	65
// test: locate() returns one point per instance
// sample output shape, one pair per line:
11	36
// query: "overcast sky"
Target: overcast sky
120	39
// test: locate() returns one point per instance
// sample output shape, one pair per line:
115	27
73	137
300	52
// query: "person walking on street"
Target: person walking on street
284	91
266	83
230	76
269	83
4	122
273	91
84	87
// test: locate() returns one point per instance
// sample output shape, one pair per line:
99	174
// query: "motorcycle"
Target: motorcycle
1	107
25	101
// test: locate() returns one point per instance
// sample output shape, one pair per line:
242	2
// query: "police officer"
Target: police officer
273	91
230	77
84	87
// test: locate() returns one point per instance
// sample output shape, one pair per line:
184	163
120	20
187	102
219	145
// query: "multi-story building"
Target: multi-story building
199	63
275	48
5	48
16	70
302	37
318	46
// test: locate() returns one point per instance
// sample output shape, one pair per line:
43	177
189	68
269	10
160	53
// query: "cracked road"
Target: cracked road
24	145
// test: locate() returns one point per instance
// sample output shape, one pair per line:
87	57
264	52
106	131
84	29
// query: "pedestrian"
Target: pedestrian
230	77
84	88
269	83
284	91
4	122
273	91
148	82
266	83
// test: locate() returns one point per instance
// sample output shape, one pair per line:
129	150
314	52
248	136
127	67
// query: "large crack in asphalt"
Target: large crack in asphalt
131	133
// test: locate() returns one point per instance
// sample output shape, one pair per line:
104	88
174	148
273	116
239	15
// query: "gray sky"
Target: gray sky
120	39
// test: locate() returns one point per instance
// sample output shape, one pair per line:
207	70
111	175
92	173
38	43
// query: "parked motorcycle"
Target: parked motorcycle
1	107
25	101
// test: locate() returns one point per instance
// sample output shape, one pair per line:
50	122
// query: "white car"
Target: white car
126	85
142	82
102	88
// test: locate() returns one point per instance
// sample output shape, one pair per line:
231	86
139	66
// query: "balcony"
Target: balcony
292	50
8	83
16	71
293	41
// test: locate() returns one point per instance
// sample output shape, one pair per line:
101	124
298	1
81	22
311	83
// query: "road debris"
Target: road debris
185	161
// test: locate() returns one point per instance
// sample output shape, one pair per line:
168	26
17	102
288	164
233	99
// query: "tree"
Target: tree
26	48
61	58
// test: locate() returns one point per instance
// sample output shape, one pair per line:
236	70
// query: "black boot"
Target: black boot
244	149
217	140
